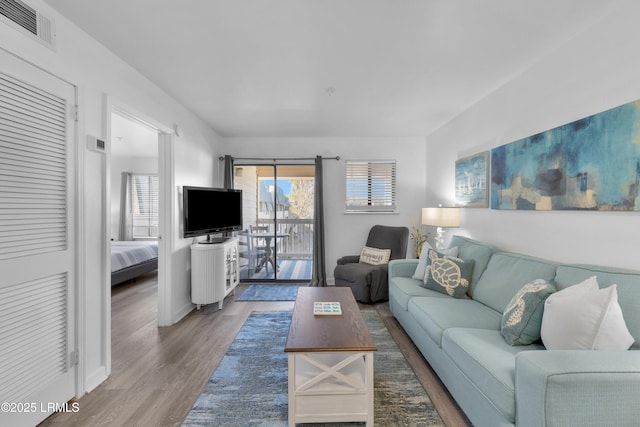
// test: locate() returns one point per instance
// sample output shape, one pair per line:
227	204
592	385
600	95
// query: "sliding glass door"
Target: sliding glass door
277	242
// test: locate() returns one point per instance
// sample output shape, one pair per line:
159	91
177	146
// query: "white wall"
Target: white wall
346	234
595	71
97	72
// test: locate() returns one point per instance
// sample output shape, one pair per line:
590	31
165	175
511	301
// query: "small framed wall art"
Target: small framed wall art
472	176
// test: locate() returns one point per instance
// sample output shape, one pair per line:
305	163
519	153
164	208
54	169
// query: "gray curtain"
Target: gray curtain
319	274
228	171
125	231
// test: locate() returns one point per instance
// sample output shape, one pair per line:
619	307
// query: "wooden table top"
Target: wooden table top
345	332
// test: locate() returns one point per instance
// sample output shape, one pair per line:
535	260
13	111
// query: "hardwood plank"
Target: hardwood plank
448	410
158	373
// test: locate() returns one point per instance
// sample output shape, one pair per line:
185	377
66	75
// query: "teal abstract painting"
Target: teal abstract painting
472	174
589	164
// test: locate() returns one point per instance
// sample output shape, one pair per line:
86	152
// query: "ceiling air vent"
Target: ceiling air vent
28	20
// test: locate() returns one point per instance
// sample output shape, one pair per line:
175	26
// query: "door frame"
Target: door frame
166	140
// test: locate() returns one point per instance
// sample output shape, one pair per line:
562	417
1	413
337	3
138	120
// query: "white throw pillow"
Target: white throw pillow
422	261
374	256
584	317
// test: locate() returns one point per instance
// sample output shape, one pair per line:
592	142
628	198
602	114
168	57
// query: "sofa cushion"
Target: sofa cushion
435	315
585	317
522	319
479	252
488	362
402	289
447	274
506	273
628	289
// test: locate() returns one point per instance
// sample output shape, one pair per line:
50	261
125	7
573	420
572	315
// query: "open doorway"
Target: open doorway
134	199
160	160
277	242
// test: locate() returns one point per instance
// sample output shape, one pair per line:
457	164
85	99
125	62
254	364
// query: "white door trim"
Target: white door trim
167	227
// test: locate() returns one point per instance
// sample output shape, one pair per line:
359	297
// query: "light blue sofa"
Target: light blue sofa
496	384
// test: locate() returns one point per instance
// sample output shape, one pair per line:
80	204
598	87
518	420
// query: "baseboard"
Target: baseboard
331	281
183	311
96	378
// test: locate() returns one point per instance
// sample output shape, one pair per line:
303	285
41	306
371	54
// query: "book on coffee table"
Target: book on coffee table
321	308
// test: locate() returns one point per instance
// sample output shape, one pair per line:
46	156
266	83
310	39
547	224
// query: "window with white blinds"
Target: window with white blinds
33	172
144	194
371	186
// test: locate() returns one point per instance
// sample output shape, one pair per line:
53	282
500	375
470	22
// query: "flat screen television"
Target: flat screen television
208	210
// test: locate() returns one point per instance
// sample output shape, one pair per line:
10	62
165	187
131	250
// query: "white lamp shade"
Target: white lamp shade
441	217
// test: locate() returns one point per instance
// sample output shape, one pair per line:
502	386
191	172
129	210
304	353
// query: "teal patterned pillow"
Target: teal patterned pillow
447	274
522	319
422	260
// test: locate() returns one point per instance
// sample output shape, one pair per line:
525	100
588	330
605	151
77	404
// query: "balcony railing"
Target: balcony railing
298	242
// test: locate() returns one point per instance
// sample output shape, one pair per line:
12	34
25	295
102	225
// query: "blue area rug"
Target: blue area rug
270	292
249	387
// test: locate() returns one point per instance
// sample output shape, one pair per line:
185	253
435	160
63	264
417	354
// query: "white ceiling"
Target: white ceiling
131	139
331	67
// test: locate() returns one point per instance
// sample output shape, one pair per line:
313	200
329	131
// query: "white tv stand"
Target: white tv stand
214	271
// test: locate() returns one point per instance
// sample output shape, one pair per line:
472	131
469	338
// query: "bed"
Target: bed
130	259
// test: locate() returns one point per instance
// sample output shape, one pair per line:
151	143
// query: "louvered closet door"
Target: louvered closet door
37	284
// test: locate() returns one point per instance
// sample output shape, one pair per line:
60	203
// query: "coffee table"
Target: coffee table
330	360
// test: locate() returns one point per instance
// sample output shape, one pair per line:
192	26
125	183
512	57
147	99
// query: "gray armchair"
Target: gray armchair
369	283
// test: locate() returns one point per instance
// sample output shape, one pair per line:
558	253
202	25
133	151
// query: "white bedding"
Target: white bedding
127	253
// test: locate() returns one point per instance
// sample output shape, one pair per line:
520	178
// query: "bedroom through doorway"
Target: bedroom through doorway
134	198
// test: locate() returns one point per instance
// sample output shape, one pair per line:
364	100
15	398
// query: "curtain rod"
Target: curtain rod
280	158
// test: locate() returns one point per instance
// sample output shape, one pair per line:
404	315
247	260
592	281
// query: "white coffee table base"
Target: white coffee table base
330	387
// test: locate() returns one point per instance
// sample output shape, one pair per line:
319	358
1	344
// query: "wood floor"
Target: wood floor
157	373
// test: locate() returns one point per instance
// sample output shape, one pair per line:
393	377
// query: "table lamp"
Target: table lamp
441	217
